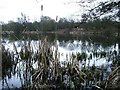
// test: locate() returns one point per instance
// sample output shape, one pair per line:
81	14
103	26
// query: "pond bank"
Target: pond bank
73	31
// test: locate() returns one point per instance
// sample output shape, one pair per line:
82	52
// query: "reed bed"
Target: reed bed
49	73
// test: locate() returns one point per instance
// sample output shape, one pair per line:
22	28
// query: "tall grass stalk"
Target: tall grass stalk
49	73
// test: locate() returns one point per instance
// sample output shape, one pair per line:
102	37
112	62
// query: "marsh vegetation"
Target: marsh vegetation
63	54
42	64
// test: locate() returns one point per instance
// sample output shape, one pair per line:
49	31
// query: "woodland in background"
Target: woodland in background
91	21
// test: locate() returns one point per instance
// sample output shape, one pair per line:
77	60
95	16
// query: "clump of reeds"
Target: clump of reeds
7	63
48	70
49	73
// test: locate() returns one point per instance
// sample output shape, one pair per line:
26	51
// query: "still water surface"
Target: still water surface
66	46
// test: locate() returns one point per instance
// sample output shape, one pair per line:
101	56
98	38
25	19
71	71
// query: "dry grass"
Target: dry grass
49	73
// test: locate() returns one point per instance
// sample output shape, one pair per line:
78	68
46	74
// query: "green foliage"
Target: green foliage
47	24
65	24
13	26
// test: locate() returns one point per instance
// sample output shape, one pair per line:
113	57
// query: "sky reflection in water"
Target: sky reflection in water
65	50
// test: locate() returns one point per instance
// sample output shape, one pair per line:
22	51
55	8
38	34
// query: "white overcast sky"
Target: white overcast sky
11	9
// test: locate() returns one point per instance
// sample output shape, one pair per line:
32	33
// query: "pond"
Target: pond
85	51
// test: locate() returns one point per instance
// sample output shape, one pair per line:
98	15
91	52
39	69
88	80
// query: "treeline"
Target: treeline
47	24
101	24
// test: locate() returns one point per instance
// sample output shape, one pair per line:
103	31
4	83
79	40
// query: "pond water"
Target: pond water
67	45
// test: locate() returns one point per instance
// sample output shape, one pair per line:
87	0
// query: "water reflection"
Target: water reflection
67	48
98	39
97	55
